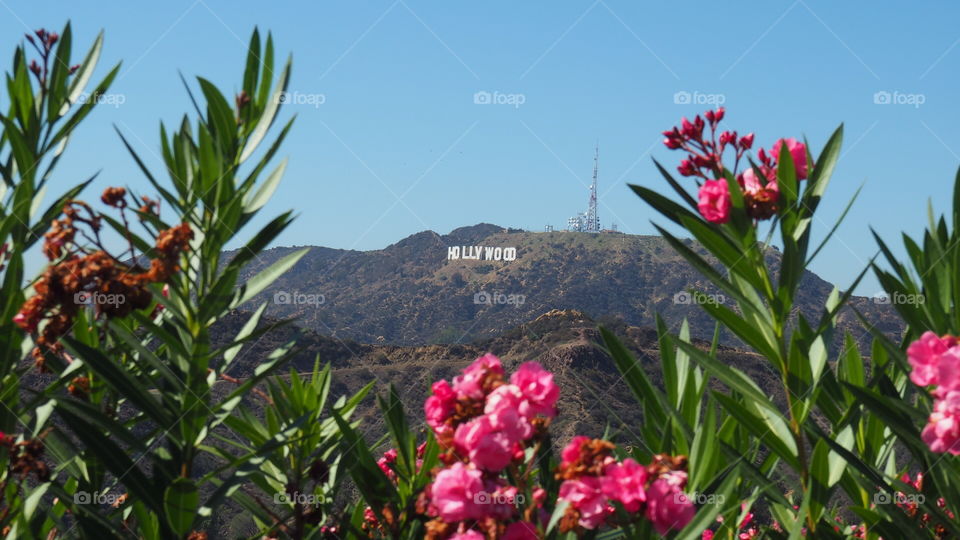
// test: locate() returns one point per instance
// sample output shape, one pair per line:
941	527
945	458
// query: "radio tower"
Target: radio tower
593	220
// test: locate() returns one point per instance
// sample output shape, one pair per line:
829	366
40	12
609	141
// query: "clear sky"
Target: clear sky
398	144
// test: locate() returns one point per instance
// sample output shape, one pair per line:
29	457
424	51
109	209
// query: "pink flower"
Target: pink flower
454	491
487	447
468	535
385	467
668	507
384	463
503	406
752	183
715	201
539	392
923	355
470	383
948	372
586	496
942	433
440	405
571	452
798	151
707	535
624	482
520	530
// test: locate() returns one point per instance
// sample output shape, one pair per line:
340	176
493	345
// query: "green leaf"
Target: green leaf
180	502
120	380
113	458
269	112
558	513
265	191
219	115
820	175
58	74
731	376
83	73
377	490
665	206
252	70
766	425
262	280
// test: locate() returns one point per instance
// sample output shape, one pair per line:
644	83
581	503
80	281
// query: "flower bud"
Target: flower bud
672	144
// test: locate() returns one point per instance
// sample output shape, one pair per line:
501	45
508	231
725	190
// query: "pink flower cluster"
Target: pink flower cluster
704	160
936	362
488	419
485	423
492	429
594	479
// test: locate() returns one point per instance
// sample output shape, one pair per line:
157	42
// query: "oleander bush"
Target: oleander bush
139	430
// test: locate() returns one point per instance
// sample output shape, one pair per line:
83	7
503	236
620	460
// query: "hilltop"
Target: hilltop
409	293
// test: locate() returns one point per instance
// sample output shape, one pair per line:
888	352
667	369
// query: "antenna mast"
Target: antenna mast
593	220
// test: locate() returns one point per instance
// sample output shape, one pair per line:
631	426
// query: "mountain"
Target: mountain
412	293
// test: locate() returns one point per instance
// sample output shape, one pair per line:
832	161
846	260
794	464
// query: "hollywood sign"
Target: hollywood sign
481	253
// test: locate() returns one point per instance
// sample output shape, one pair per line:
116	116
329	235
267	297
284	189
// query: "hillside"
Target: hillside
409	293
566	342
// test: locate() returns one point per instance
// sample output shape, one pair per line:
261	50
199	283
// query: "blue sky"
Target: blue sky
398	144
